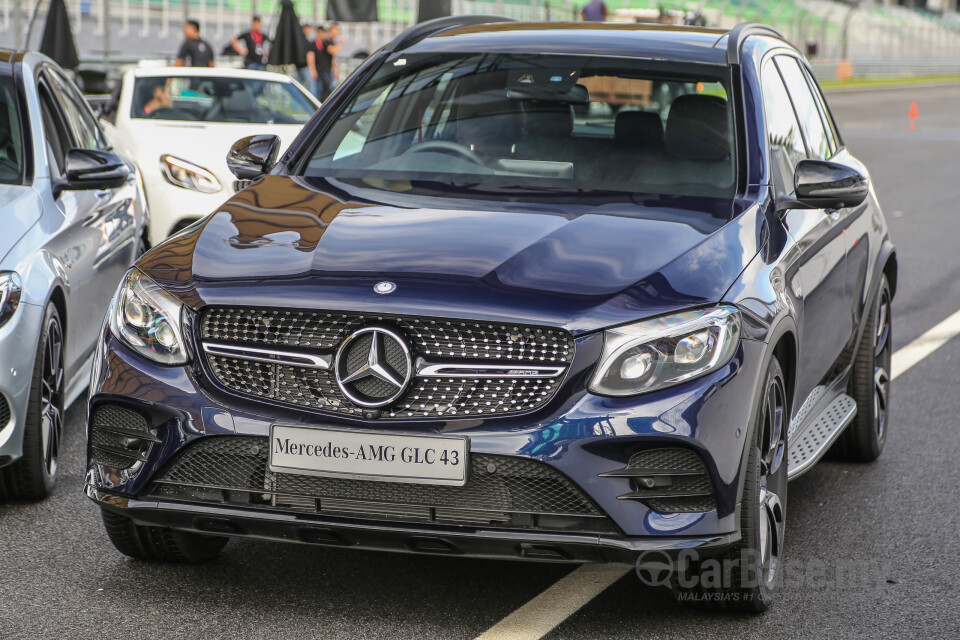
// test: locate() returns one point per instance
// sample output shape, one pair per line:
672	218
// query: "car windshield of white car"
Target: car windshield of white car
11	142
504	124
219	99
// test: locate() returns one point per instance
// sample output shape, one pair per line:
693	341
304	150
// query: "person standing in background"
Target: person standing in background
333	46
307	70
252	45
194	52
323	62
595	11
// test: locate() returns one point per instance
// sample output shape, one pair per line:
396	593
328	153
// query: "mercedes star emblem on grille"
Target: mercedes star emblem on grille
373	366
385	287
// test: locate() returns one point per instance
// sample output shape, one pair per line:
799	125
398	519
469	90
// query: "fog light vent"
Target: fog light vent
119	437
4	412
669	480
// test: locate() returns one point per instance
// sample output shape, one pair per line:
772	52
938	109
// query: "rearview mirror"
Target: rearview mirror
253	156
820	184
92	169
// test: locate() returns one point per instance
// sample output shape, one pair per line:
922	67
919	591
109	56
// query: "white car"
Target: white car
177	124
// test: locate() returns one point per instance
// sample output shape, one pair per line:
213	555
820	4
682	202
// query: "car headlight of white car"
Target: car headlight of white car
187	175
148	320
661	352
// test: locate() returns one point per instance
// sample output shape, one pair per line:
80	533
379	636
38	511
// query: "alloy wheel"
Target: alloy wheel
51	397
773	479
881	368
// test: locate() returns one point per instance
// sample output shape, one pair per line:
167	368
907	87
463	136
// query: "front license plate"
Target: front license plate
361	455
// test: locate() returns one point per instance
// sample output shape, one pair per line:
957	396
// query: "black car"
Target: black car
559	292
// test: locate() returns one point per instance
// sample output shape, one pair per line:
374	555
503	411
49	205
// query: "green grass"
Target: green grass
856	83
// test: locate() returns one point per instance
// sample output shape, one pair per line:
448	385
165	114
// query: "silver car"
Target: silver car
72	221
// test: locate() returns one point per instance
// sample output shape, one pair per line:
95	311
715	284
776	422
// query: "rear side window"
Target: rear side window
806	107
783	129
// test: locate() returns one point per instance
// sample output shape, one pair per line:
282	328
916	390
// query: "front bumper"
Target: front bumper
577	434
18	348
477	543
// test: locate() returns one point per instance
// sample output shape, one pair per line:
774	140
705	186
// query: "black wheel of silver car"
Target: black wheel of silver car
160	544
34	475
750	572
863	440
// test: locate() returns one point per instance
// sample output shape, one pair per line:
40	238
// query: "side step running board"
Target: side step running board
810	441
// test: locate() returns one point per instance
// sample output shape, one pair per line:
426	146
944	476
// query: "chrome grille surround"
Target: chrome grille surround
463	368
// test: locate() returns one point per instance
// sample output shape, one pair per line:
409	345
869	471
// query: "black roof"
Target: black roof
689	44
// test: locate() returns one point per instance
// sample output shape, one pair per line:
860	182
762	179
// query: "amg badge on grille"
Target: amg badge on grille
373	366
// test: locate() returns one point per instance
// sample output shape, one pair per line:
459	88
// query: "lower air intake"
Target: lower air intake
669	480
119	437
501	491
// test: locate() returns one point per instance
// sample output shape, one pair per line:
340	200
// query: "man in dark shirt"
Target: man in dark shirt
323	64
305	68
252	45
194	52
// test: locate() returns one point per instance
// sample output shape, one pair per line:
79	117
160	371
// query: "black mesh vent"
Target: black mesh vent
450	340
119	437
682	482
4	412
233	469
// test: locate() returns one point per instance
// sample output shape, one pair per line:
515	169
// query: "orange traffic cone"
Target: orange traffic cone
913	114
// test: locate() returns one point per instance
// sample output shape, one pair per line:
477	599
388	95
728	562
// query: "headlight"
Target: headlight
181	173
147	319
665	351
10	288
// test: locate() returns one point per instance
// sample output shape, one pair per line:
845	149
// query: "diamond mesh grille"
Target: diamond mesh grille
429	338
495	485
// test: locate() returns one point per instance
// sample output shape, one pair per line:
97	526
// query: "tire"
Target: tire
863	439
34	476
160	544
751	570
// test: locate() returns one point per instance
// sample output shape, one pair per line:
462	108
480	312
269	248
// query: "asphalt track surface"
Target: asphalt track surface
872	550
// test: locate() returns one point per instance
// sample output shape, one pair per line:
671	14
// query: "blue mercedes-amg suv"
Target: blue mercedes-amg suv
561	292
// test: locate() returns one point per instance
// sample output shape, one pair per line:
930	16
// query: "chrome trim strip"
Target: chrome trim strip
271	356
426	369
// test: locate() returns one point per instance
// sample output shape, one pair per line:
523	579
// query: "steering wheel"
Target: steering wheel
445	146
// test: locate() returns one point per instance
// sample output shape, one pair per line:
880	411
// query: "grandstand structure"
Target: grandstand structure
868	37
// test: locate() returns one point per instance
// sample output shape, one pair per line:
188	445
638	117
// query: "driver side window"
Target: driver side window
784	138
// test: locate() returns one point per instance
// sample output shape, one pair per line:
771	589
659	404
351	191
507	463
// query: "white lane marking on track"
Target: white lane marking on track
561	600
906	357
570	593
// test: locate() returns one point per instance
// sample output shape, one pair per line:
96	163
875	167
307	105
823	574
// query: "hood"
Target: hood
286	243
19	210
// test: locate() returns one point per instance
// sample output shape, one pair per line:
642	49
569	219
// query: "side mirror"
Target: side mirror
92	169
820	184
253	156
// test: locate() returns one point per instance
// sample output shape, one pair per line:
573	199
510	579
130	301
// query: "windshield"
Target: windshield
212	99
538	124
11	142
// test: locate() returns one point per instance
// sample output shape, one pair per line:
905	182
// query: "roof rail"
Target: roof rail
740	32
418	32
